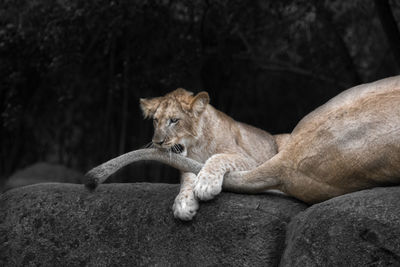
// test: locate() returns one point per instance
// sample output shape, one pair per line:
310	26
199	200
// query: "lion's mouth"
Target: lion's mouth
174	148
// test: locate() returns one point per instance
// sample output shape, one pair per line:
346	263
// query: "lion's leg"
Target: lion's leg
265	177
186	204
210	178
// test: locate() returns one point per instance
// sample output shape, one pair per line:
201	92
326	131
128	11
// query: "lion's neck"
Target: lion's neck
210	134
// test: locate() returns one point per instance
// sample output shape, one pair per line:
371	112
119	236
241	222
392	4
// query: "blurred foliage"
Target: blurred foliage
71	72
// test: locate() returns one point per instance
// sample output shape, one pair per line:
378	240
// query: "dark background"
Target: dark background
72	72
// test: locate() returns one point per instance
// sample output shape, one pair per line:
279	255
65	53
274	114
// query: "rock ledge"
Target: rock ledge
132	225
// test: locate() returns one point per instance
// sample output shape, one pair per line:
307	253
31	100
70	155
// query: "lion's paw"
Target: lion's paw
207	186
185	206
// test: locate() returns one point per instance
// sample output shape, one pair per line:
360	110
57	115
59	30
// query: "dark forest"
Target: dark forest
72	72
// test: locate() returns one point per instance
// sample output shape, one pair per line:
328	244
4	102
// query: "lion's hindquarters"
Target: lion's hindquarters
352	147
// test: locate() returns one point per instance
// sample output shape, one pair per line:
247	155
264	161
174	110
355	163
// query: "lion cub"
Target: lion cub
189	125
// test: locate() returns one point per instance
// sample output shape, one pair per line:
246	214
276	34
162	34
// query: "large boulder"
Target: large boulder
42	172
132	225
358	229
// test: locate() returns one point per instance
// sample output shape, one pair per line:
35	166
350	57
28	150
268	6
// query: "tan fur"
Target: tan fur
208	136
281	140
350	143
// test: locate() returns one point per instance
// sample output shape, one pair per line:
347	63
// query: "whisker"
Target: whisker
176	149
151	145
179	148
148	145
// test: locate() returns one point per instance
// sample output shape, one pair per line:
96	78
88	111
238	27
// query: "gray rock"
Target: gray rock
133	225
43	172
358	229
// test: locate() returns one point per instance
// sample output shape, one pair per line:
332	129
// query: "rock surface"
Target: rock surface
43	172
132	225
358	229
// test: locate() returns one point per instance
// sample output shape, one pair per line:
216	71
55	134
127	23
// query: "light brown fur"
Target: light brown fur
208	136
350	143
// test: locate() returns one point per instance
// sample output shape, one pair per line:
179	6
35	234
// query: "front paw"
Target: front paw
185	206
207	186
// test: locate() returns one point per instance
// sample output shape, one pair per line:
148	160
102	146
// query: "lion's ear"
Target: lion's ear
199	103
149	106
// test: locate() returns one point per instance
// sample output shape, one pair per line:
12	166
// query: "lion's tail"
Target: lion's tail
99	174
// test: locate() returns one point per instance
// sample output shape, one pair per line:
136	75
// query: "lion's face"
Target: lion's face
175	118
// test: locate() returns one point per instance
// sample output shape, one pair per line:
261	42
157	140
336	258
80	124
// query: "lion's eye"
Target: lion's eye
173	120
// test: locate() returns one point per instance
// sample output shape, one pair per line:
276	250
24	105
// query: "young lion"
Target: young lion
350	143
190	126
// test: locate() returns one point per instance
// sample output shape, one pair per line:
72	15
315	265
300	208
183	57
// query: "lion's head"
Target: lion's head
175	118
